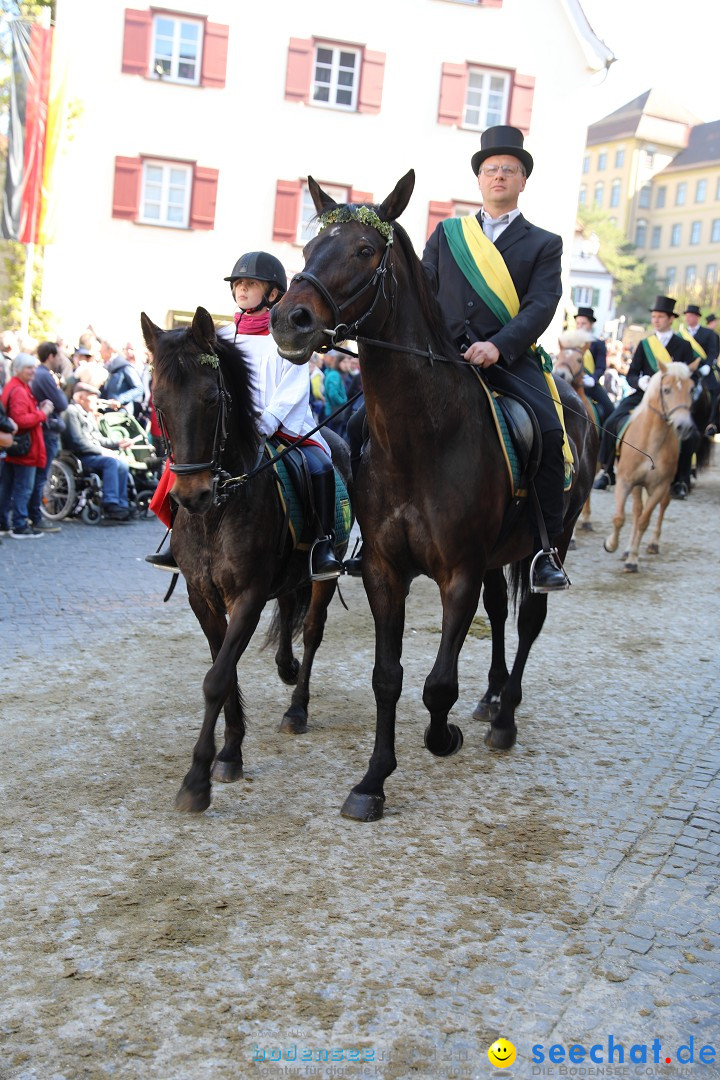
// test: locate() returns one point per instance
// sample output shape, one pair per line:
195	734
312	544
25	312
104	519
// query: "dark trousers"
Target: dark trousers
602	401
612	425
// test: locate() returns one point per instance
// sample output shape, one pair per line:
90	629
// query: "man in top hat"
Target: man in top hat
705	345
662	343
530	256
594	362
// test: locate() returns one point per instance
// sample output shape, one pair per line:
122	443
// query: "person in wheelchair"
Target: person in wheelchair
97	452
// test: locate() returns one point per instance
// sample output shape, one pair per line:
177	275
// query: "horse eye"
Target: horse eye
367	252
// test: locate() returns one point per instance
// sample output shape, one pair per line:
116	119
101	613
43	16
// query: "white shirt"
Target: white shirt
494	227
664	337
281	389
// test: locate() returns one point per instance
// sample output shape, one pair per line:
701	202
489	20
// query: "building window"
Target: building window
174	194
487	98
586	164
294	210
670	279
660	197
308	225
690	276
585	296
641	233
615	193
602	161
701	191
644	197
599	193
717	189
675	235
715	232
695	229
681	193
165	198
583	194
176	49
649	156
655	236
335	76
620	157
711	276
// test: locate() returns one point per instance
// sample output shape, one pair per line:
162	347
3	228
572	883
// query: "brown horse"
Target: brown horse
657	426
569	365
432	489
232	549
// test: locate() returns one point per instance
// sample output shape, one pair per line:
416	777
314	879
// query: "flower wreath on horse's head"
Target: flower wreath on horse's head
363	214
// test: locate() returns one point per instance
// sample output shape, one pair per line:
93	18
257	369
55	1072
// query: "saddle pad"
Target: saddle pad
293	505
621	434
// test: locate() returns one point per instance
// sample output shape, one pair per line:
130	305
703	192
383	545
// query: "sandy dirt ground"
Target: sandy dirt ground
544	895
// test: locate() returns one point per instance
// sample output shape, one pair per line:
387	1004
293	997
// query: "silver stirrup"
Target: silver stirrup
333	575
558	563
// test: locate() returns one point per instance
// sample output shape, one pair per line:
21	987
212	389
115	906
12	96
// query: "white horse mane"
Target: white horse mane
574	339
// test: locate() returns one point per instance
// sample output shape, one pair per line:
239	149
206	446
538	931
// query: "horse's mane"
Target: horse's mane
677	370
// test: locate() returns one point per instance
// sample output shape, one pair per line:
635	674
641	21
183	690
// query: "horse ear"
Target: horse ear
203	329
320	198
151	332
399	197
661	367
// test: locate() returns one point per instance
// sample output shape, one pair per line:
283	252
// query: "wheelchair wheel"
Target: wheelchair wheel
58	497
143	503
91	513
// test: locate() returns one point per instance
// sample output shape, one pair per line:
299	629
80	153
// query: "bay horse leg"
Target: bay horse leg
194	793
386	591
622	490
495	603
287	665
295	719
531	617
653	547
459	600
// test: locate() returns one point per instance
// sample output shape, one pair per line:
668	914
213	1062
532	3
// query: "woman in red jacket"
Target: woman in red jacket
18	473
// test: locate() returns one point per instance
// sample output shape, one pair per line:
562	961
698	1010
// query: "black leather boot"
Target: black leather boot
324	564
547	574
353	566
163	561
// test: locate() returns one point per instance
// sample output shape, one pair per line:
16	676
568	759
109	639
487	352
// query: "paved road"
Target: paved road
561	895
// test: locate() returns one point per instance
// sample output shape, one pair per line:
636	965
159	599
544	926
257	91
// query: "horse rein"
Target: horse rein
219	437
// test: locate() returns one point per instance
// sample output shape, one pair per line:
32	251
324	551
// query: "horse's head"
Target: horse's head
346	281
569	362
669	394
191	404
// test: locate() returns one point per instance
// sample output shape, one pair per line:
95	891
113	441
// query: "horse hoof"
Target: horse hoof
359	807
653	549
452	744
192	802
501	738
289	674
609	547
587	526
227	772
294	722
487	708
630	568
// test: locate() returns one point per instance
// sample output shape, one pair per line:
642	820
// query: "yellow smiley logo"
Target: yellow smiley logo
502	1053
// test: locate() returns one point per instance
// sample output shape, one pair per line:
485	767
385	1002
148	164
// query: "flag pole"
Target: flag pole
27	289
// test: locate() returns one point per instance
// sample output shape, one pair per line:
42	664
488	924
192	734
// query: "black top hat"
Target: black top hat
711	318
502	139
587	312
692	309
666	304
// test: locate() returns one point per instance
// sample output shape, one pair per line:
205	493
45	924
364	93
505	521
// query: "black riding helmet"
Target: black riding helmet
262	266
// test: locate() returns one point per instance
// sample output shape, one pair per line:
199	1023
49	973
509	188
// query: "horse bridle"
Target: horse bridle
664	413
219	438
349	332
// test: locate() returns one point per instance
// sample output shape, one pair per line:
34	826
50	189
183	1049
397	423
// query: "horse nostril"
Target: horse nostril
301	318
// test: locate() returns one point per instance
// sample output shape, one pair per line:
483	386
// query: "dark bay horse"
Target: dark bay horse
433	488
232	556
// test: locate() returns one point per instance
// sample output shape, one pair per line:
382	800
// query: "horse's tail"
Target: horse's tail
704	452
303	595
518	575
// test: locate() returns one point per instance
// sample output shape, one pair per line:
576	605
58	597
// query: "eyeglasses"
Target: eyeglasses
504	170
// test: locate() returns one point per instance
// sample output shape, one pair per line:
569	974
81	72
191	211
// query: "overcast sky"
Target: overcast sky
673	47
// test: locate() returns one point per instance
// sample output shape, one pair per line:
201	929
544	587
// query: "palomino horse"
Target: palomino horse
432	488
233	555
569	365
657	426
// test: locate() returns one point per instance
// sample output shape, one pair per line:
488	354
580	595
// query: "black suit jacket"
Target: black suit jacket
598	350
709	341
678	348
532	257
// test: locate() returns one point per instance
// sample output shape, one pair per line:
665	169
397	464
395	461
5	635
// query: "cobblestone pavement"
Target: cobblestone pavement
564	894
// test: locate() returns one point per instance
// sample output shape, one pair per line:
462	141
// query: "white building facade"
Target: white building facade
194	129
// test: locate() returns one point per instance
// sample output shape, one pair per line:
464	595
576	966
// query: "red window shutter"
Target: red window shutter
287	210
204	197
126	189
136	42
438	211
371	82
491	3
299	69
360	196
215	50
453	86
521	100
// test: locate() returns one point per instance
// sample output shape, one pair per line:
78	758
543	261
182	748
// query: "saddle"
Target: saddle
520	437
295	492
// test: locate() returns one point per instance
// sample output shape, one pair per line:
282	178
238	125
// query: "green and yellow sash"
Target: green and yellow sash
484	268
695	345
655	351
589	362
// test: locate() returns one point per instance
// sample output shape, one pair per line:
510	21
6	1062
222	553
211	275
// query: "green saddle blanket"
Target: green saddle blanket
295	507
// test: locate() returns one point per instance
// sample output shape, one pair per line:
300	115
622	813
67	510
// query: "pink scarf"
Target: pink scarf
252	324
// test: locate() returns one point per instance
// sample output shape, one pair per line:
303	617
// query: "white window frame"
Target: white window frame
695	232
173	75
641	233
163	202
466	209
715	231
656	237
681	193
701	190
602	160
661	198
307	228
620	157
615	193
644	197
481	106
599	187
334	84
690	276
675	235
